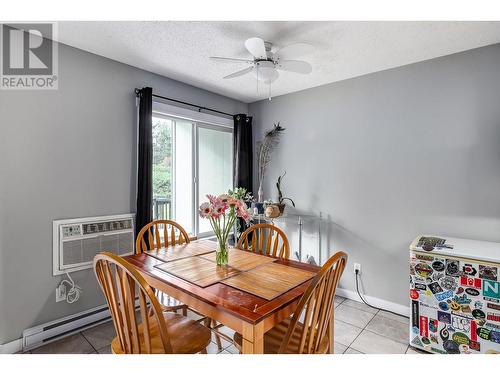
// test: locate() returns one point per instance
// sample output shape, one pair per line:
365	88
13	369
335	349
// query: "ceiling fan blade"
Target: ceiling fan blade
231	60
256	47
295	66
239	73
294	50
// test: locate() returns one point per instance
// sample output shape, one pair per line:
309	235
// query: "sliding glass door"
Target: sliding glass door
163	129
183	175
215	166
190	160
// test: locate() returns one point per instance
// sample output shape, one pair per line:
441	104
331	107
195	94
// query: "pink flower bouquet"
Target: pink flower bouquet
222	212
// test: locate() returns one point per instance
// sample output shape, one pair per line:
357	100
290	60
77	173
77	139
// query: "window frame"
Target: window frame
197	120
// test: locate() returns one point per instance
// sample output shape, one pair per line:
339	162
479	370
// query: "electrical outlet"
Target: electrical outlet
61	293
357	267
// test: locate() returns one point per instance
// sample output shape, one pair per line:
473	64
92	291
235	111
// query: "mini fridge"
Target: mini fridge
454	295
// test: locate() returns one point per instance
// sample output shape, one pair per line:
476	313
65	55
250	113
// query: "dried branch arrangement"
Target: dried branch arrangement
266	147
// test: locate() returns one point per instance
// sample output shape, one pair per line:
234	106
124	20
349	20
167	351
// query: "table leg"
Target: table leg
253	338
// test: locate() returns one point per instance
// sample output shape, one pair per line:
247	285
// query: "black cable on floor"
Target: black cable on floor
366	303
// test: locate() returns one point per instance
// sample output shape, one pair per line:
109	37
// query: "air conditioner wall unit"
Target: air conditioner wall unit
76	241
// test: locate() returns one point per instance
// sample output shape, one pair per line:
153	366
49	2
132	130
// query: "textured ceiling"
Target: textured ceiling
181	50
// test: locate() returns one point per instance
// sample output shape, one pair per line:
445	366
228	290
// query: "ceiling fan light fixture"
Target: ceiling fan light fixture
264	71
266	62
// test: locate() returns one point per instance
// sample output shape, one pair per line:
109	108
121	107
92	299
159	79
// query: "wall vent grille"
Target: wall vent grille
77	241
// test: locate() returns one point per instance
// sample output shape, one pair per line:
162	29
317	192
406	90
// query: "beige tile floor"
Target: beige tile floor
359	329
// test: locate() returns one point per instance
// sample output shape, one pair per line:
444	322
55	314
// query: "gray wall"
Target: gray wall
63	154
391	155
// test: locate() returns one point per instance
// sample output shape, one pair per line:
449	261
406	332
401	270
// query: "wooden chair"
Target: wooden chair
158	332
150	238
313	334
265	239
153	239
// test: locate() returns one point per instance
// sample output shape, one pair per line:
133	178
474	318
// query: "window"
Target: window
215	166
191	158
162	168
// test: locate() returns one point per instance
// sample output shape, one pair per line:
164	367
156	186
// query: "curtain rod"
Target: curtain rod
138	92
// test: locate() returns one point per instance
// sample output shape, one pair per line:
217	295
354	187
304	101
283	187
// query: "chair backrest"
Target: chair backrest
120	283
265	239
316	306
150	236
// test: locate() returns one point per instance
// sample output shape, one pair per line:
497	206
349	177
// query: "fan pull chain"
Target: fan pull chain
257	78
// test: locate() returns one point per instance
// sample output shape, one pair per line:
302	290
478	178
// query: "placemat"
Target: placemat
197	270
270	280
168	254
242	260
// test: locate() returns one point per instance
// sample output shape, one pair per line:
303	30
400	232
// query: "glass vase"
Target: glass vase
221	255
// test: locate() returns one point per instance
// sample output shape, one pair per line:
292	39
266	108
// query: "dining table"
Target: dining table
251	295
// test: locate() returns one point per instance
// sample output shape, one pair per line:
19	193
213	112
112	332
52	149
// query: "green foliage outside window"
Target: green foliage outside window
162	158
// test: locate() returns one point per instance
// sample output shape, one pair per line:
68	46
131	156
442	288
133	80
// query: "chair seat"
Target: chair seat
186	336
274	337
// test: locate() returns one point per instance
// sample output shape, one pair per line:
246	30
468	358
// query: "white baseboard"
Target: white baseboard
11	347
17	345
376	302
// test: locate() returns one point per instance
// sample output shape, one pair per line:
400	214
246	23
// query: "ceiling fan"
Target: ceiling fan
267	61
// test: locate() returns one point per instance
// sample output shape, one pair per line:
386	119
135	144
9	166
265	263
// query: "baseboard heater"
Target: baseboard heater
48	332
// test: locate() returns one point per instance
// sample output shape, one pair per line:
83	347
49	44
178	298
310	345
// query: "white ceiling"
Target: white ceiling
181	50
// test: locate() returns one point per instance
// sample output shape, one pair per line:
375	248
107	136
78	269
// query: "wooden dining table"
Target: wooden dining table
247	313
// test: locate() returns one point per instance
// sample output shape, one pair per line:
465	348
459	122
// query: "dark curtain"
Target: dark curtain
144	160
243	152
243	156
